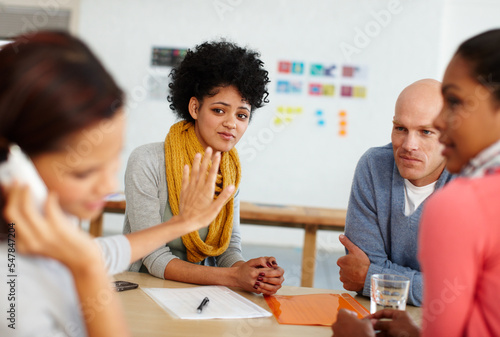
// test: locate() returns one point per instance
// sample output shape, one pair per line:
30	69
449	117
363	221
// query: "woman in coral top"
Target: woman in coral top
460	231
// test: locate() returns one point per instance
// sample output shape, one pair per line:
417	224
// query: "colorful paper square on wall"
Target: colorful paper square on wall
295	87
354	72
317	69
359	91
346	91
330	71
347	71
298	68
284	67
283	87
286	114
328	90
342	123
321	117
315	89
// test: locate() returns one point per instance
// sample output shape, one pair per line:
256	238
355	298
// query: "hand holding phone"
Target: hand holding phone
19	167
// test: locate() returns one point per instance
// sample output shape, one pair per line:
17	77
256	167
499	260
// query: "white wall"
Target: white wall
302	164
50	7
462	20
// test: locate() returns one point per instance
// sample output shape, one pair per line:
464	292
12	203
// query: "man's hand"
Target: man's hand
353	266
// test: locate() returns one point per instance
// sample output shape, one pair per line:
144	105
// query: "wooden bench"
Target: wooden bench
311	219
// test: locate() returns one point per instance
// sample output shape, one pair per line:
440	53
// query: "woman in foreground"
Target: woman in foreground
61	107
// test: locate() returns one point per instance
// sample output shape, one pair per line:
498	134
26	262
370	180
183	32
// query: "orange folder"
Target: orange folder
315	309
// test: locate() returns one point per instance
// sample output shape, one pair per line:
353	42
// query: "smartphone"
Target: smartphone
124	285
19	167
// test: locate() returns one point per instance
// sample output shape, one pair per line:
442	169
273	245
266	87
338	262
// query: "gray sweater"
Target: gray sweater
376	222
46	302
147	205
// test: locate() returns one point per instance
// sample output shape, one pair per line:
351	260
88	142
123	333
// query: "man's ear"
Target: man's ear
193	107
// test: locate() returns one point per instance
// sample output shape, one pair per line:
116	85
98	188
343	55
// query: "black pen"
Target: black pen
203	304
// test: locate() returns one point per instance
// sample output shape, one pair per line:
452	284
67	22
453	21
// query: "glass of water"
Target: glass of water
388	292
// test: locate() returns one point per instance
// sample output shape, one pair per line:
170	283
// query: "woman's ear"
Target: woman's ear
193	107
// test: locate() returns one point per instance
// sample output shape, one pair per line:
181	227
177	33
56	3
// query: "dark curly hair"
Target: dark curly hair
217	64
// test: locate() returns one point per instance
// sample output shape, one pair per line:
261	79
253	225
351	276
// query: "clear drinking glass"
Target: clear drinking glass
388	291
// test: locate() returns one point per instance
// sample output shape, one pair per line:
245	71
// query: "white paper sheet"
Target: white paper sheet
224	303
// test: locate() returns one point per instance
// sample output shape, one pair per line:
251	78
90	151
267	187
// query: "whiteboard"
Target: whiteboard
303	162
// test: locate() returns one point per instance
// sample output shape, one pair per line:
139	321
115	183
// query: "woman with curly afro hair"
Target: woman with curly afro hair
214	91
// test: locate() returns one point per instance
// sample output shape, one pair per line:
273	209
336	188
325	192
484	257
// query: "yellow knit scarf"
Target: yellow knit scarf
181	145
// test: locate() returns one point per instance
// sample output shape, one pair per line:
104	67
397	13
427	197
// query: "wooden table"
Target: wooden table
311	219
146	318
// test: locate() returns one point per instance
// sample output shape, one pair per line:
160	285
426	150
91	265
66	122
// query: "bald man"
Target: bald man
389	188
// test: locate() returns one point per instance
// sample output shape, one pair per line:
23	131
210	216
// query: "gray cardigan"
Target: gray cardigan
147	205
376	222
